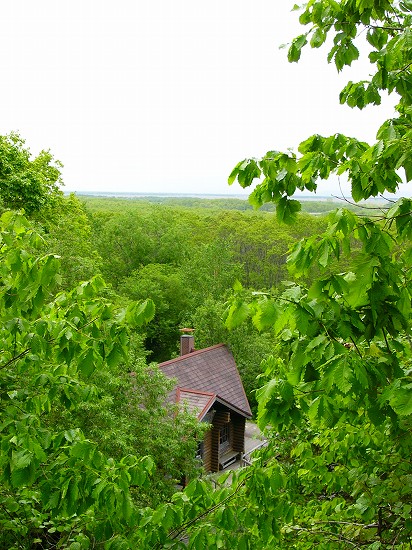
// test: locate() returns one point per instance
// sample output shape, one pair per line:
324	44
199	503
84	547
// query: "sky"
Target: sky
161	96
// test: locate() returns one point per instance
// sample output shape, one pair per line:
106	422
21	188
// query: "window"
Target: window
224	437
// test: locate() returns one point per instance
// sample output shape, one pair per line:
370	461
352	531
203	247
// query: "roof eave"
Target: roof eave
230	406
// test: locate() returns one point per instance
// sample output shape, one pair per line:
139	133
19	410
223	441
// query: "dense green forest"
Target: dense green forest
316	310
181	257
309	205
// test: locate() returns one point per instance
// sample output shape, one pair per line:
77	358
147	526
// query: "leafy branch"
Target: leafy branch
327	535
176	533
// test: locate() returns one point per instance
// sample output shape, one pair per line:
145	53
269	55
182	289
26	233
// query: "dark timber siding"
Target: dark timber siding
207	451
211	451
214	444
221	417
238	437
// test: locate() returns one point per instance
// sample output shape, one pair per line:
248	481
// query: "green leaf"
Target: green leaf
296	48
407	166
199	539
234	172
87	362
377	38
245	172
342	375
20	459
323	254
319	340
238	313
23	476
286	210
266	315
302	318
267	391
82	449
11	504
116	355
402	400
127	507
227	519
317	38
140	313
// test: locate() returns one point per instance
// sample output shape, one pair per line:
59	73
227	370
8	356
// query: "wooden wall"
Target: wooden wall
238	434
211	441
207	451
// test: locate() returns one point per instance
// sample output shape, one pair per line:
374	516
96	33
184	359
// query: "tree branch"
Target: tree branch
327	534
356	347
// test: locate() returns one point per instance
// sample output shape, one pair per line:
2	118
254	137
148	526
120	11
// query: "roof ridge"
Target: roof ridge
191	354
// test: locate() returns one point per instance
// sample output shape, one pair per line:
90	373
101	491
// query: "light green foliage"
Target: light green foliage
210	248
372	169
31	184
163	284
210	271
56	485
244	341
260	245
210	252
310	205
128	240
128	414
67	232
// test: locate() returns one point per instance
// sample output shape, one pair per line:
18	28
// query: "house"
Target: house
209	385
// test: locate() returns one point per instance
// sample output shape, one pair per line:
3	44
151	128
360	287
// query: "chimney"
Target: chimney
187	341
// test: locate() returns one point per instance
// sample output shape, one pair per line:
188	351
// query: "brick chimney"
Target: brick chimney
187	341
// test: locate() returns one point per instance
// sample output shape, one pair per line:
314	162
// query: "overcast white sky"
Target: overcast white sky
165	95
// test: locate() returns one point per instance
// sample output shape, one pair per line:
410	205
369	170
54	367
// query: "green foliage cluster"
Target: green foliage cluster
32	184
341	382
141	234
371	169
67	232
77	426
181	257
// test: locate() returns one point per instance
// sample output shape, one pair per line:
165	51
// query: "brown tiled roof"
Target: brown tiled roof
197	402
211	370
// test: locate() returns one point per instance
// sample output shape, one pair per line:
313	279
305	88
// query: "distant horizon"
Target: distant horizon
240	196
150	96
